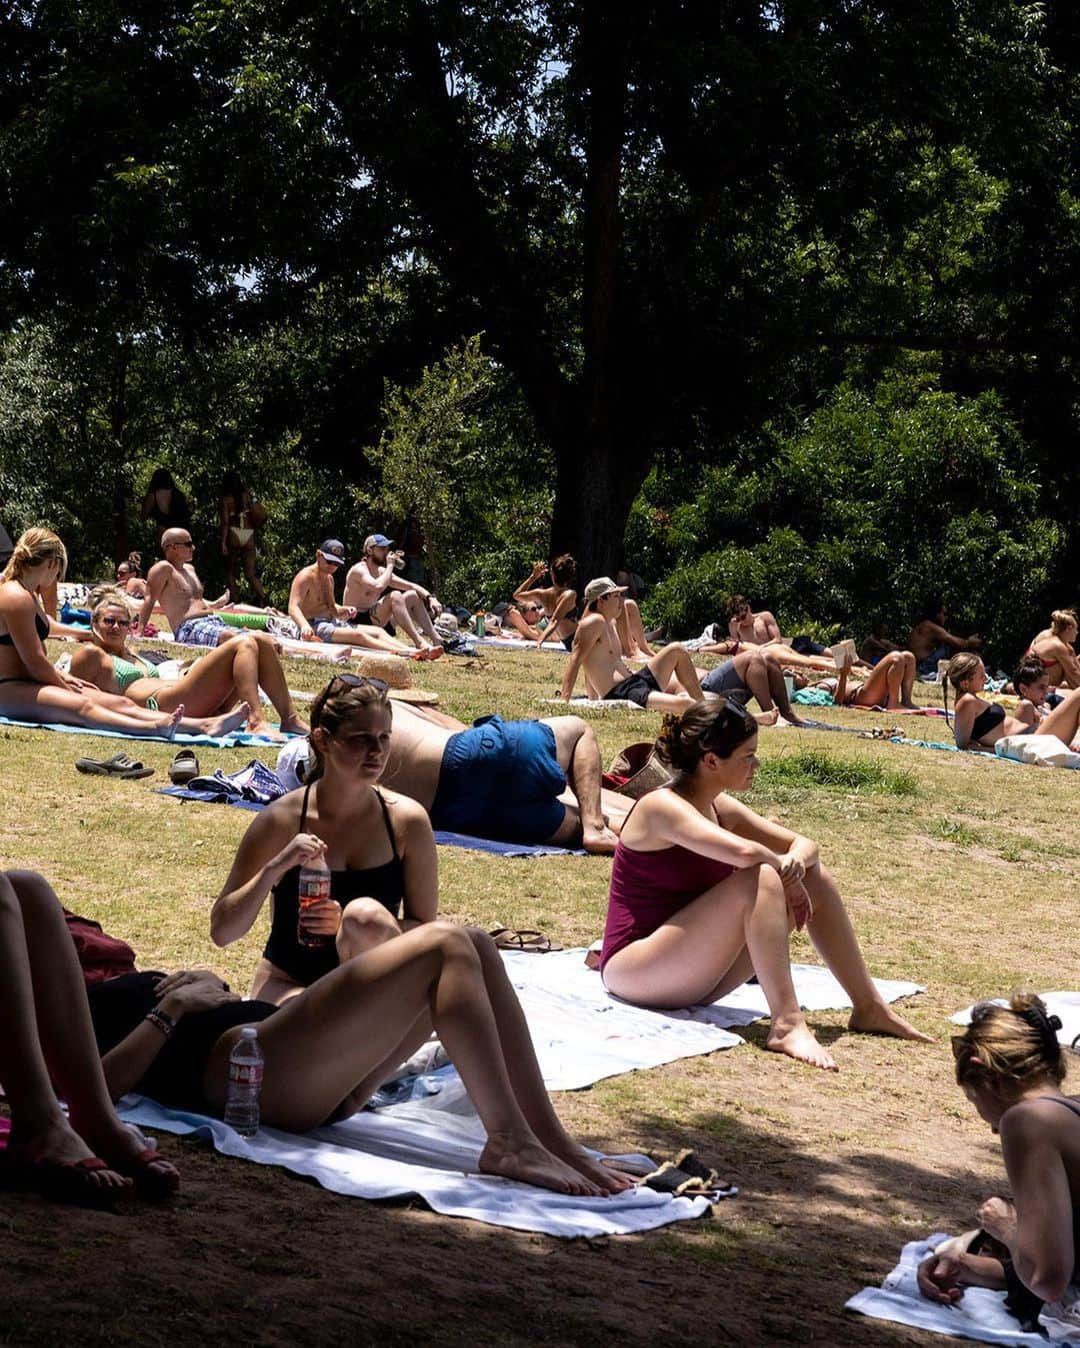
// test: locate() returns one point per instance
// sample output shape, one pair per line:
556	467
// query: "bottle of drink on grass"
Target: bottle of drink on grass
314	885
245	1082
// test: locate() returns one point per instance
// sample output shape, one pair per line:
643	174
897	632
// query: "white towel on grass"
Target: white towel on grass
1063	1004
426	1147
583	1034
979	1314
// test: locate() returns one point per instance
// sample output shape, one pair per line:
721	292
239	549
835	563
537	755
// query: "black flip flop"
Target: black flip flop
128	769
184	767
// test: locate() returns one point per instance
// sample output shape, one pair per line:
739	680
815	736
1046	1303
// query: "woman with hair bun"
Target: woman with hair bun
379	846
704	893
1010	1066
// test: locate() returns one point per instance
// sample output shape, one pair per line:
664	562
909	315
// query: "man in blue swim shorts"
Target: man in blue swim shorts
515	781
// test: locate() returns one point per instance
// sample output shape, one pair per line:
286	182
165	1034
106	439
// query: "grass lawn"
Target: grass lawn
958	874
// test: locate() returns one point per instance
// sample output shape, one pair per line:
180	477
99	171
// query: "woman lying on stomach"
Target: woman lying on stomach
327	1050
704	893
1010	1066
979	724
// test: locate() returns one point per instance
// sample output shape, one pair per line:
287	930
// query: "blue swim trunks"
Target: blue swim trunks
201	631
501	780
726	679
324	628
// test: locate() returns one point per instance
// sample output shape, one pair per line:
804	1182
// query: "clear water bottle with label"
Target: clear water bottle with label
313	885
245	1082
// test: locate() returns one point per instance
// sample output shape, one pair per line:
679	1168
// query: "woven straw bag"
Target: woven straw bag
642	768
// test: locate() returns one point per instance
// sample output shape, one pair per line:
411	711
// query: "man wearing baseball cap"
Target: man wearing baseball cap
668	681
318	615
380	596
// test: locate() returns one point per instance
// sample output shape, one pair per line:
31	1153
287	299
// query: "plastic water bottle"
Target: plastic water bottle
314	884
245	1082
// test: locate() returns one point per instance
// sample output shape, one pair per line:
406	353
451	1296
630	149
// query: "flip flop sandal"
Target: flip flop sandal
534	942
129	769
687	1177
150	1182
65	1181
184	767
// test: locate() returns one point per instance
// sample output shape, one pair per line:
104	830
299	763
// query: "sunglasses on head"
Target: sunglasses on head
355	681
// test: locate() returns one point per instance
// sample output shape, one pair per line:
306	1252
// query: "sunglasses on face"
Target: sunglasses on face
114	622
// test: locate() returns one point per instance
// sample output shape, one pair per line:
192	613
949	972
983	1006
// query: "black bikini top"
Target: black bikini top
41	624
987	720
385	883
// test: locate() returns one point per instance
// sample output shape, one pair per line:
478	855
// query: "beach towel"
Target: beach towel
427	1146
236	739
1047	751
979	1314
222	796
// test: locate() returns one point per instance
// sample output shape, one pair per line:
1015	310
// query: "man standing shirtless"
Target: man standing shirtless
668	681
175	584
380	596
318	615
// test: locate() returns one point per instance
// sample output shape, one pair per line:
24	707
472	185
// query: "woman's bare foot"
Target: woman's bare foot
799	1043
167	729
880	1018
233	720
259	725
528	1161
598	840
769	717
293	725
609	1181
125	1147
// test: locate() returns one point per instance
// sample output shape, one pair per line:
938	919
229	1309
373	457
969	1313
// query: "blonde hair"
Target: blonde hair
1061	619
1010	1049
35	546
107	596
961	667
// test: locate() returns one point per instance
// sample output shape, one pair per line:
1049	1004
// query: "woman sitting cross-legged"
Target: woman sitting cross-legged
221	686
704	893
978	724
31	687
47	1038
328	1049
1010	1066
379	846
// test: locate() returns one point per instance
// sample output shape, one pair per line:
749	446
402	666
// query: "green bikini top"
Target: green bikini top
126	673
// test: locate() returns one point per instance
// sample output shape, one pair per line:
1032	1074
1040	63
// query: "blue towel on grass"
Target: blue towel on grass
238	737
499	849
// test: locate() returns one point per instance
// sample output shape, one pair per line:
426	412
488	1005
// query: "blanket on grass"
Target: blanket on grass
979	1314
238	737
430	1147
443	838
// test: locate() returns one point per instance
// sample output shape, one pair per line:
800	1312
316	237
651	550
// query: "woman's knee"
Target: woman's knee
454	940
368	918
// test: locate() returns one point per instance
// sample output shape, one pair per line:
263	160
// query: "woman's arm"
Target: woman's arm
147	506
127	1063
19	612
224	515
1069	662
1039	1230
740	819
526	589
672	821
267	850
967	708
92	664
416	842
563	605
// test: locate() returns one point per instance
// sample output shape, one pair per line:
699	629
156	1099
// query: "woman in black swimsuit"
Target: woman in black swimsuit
979	724
1010	1066
31	687
329	1048
558	600
380	848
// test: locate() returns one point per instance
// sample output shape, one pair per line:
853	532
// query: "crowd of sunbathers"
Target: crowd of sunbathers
703	893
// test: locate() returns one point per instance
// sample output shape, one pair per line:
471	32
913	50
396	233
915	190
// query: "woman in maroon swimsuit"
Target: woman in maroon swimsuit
704	893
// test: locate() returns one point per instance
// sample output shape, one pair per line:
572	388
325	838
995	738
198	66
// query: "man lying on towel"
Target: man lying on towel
513	781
